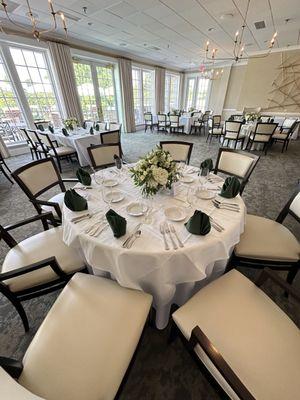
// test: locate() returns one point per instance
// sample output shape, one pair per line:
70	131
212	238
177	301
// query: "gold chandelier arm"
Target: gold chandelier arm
13	22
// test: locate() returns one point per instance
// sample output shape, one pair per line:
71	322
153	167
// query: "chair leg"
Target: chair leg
5	174
6	166
292	274
59	165
16	303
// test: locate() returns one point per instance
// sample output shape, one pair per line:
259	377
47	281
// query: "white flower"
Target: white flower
160	175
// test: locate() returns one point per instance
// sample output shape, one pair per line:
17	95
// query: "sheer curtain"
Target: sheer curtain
62	62
160	79
125	71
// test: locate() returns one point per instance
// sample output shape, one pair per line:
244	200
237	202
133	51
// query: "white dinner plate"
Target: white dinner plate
205	194
110	182
186	179
175	214
136	209
114	196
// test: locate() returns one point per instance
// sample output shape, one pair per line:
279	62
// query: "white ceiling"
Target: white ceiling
171	32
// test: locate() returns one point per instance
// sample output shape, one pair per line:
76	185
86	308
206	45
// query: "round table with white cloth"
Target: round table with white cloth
171	276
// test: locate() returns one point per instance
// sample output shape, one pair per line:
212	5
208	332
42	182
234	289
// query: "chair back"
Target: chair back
179	151
216	119
236	163
114	126
205	117
174	120
148	117
162	118
197	114
110	137
42	125
33	135
232	127
102	155
288	123
28	138
265	118
102	126
37	177
292	207
236	117
45	140
293	128
264	131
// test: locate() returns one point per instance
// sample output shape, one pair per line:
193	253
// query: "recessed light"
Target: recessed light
226	16
210	29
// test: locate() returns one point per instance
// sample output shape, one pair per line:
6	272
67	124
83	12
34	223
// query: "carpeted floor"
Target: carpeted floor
160	371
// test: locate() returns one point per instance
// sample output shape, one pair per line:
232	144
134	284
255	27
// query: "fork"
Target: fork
173	230
162	231
167	229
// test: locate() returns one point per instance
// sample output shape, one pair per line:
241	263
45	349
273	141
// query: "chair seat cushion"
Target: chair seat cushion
36	248
260	138
10	389
62	151
216	131
266	239
59	199
84	346
232	135
254	336
279	135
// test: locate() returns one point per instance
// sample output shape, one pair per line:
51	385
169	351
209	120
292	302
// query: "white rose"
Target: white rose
160	175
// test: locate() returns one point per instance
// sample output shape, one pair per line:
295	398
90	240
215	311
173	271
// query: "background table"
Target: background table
170	276
185	120
80	139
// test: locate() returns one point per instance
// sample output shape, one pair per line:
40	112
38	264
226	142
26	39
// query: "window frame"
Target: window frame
167	104
142	69
196	79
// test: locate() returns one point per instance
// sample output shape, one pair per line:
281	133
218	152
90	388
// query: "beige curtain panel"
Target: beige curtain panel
125	71
160	79
62	62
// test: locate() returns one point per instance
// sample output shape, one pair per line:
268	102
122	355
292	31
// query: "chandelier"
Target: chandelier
37	33
210	74
238	45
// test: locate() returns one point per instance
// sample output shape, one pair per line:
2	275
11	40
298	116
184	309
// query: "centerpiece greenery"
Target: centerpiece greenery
252	116
157	170
70	123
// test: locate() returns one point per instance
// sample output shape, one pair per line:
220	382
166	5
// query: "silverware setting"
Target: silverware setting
131	235
168	232
163	232
83	217
218	227
97	228
225	206
173	230
136	235
227	203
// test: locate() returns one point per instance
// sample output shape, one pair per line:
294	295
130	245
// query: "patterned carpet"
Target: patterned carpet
160	371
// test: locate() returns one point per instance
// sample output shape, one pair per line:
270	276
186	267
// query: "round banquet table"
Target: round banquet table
171	276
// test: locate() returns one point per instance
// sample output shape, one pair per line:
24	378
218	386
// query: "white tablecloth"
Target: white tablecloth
170	276
80	140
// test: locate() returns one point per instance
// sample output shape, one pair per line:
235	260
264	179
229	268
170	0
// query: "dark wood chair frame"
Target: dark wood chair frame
149	123
291	267
178	128
2	165
89	149
102	135
38	203
216	125
198	337
40	148
245	178
32	145
161	143
286	140
254	133
166	123
17	297
238	138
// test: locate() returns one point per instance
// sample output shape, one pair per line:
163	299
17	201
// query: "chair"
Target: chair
236	163
232	133
148	120
266	118
110	137
39	148
2	165
216	129
102	155
197	124
175	124
285	137
58	152
84	347
31	144
196	114
287	124
162	123
263	134
37	265
36	178
180	151
113	126
245	342
269	243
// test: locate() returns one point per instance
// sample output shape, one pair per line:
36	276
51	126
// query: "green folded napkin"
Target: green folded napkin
97	127
206	166
199	223
51	129
41	127
65	132
84	125
91	131
74	201
117	223
83	176
231	187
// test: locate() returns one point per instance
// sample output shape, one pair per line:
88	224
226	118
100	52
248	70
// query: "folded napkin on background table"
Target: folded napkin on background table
74	201
117	223
206	166
91	131
97	127
84	125
83	176
198	224
231	187
51	129
65	132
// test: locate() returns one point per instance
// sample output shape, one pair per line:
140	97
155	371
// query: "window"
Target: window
85	87
171	92
143	82
34	75
106	87
96	89
197	93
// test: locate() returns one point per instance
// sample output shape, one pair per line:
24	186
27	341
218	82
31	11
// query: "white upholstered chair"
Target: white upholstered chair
180	151
262	134
162	123
284	136
84	346
175	125
102	155
233	133
266	242
101	125
36	265
236	163
215	130
38	177
245	341
110	137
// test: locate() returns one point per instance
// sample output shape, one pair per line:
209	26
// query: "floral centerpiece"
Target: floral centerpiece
252	116
157	170
70	123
